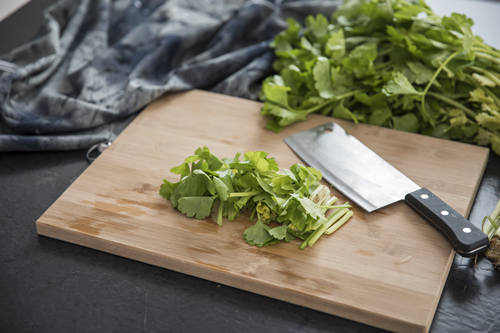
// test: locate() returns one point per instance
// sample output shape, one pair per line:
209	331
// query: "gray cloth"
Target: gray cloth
98	62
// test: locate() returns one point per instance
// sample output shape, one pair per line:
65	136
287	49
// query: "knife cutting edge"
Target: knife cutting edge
373	183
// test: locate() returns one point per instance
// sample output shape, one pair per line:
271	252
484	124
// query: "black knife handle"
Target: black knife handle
465	237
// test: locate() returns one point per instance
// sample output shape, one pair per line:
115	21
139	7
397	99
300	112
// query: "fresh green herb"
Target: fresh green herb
287	204
388	63
491	227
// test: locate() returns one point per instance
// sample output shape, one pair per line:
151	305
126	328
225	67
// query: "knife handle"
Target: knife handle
465	237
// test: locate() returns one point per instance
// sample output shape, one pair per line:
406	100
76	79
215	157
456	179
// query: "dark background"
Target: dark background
48	285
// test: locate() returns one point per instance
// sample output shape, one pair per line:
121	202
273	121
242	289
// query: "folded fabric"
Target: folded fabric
96	63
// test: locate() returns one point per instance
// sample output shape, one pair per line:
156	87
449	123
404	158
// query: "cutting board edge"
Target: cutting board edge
478	183
210	273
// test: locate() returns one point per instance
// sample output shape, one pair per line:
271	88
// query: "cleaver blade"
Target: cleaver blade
372	183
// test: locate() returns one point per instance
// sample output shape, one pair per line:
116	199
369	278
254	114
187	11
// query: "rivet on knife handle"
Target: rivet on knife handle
465	237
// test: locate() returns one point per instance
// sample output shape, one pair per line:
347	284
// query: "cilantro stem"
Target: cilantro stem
349	94
494	220
493	227
492	95
436	73
487	57
306	241
339	223
243	194
487	51
329	203
490	75
473	82
330	101
324	227
346	205
453	103
219	213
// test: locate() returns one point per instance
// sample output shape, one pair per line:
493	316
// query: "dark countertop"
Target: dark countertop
48	285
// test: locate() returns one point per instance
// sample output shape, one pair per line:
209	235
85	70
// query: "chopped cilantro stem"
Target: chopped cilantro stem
306	241
329	222
346	205
339	223
331	201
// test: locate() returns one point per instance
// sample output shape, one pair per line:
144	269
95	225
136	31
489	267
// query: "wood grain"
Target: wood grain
385	269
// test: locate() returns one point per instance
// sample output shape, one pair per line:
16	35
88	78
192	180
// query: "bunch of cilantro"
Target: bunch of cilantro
286	204
388	63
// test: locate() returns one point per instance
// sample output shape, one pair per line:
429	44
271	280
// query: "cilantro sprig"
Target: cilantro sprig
286	204
491	227
388	63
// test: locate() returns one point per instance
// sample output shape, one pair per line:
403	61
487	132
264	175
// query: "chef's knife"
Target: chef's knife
372	183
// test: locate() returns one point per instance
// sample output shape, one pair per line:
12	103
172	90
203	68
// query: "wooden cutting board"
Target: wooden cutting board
385	269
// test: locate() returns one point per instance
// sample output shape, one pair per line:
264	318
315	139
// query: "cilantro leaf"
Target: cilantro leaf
380	116
221	188
284	40
322	78
340	111
399	85
198	207
182	169
212	161
309	206
261	162
286	116
279	232
167	188
275	93
196	184
420	73
258	234
360	60
335	45
317	27
408	123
